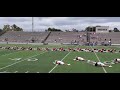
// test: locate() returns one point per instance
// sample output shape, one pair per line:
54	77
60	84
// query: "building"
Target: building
102	29
98	29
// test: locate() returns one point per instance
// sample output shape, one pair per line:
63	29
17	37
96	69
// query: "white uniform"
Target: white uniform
118	59
86	50
95	50
109	41
60	62
80	58
100	64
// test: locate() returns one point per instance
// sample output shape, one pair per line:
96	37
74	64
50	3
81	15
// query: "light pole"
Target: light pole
32	29
32	24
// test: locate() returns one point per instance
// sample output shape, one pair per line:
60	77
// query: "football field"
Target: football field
34	61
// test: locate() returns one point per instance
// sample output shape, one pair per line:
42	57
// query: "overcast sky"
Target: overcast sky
42	23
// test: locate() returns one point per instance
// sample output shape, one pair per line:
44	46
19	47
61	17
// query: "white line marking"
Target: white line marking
98	59
15	71
6	72
2	72
15	59
57	64
33	59
21	61
61	60
38	72
26	71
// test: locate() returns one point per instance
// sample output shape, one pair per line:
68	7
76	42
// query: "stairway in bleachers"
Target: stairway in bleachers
46	37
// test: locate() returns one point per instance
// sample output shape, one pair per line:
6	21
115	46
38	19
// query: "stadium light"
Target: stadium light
32	24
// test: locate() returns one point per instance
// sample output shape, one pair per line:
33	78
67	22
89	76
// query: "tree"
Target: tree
49	29
67	31
74	30
6	28
46	30
116	30
94	29
16	28
90	29
110	30
53	29
87	28
12	28
0	30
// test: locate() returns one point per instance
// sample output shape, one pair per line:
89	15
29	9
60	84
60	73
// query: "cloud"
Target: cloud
42	23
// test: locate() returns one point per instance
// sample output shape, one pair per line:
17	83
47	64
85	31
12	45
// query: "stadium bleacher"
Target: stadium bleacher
59	37
65	37
19	36
105	37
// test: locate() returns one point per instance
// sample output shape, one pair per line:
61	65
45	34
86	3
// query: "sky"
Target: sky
42	23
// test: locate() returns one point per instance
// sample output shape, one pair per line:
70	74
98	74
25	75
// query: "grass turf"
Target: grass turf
45	60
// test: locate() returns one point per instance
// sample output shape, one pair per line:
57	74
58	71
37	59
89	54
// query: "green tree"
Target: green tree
12	28
6	28
67	31
0	30
90	29
116	30
16	28
110	30
53	29
74	30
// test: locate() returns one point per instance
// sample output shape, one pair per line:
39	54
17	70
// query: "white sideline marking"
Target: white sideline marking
26	71
61	60
38	72
4	72
15	71
21	61
99	60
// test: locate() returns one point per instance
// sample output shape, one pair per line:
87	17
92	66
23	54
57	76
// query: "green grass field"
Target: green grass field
44	60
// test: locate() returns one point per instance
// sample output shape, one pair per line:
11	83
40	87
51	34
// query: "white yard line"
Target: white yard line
21	61
98	60
61	60
57	64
